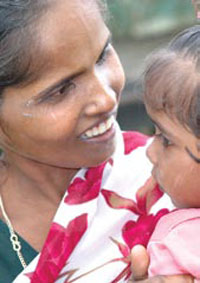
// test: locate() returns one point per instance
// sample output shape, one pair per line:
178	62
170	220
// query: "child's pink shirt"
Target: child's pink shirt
174	247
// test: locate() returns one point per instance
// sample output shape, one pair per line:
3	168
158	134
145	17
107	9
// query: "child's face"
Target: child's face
177	173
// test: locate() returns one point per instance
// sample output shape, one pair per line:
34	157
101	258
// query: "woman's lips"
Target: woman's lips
100	130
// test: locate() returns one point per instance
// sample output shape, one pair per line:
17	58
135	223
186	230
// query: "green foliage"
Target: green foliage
142	17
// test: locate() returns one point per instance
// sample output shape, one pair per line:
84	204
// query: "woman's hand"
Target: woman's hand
140	263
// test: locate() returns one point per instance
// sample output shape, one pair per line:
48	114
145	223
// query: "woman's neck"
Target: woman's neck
31	193
26	177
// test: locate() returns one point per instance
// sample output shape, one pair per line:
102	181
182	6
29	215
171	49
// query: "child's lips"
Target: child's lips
153	173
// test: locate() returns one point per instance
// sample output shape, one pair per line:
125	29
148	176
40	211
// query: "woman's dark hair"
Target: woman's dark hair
172	79
16	27
18	38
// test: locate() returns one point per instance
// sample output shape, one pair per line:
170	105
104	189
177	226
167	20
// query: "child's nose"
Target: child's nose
151	152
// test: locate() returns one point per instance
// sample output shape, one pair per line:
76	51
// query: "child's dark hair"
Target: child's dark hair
172	79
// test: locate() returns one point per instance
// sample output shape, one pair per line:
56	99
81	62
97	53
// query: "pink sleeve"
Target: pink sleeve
178	252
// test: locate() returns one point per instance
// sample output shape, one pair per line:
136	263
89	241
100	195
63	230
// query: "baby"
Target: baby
172	99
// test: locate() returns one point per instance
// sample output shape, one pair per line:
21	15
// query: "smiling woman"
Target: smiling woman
66	183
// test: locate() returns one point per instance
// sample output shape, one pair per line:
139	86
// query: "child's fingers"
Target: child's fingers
139	262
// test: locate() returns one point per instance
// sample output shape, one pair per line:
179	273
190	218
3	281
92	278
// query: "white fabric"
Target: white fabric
98	245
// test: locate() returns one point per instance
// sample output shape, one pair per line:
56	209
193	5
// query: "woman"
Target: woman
68	176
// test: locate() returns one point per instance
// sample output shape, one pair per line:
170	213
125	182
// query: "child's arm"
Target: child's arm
140	263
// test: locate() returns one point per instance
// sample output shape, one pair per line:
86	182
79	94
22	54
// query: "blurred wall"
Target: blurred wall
144	18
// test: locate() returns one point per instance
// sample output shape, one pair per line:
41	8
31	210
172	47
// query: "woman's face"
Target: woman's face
176	171
64	117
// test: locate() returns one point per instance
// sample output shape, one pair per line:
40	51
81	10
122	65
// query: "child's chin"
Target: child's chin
161	188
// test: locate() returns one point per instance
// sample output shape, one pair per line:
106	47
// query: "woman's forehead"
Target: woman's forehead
70	31
69	20
66	41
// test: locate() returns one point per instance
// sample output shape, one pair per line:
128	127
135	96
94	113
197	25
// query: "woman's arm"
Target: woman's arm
166	279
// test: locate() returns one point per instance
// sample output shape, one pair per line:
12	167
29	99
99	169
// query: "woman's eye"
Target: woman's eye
103	55
66	88
57	94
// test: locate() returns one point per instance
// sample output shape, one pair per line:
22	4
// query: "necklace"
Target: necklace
13	237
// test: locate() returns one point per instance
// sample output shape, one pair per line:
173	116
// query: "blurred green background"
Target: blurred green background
139	27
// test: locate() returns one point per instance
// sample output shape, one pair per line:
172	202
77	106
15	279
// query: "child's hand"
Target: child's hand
140	263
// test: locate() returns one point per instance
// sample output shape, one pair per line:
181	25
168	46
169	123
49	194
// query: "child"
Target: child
172	98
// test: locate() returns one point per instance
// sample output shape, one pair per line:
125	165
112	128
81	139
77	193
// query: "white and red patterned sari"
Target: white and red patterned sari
106	210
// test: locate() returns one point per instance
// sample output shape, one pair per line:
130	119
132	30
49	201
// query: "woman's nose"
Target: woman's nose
102	99
151	152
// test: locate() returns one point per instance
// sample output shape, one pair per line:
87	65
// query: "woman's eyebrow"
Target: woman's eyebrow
65	80
55	86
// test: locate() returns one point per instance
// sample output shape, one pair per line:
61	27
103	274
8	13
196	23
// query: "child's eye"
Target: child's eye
165	141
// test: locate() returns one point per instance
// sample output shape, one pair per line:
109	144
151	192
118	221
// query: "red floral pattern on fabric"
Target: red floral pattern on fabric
132	140
147	196
126	273
118	202
81	191
61	242
133	233
140	231
58	247
124	249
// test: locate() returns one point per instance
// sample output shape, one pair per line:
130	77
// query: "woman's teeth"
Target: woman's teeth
101	129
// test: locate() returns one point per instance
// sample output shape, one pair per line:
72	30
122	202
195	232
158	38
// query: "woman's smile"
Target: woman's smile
99	130
74	98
